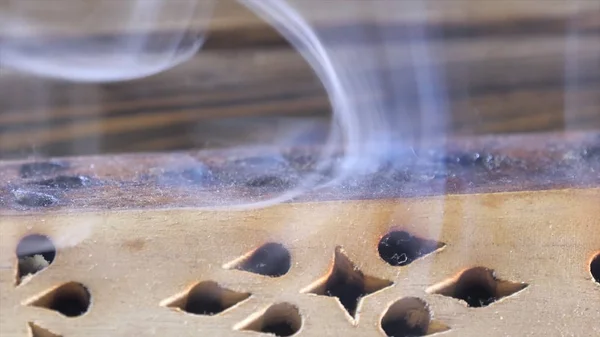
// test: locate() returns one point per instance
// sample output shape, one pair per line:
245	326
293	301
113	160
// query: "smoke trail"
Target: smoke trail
371	116
373	108
109	40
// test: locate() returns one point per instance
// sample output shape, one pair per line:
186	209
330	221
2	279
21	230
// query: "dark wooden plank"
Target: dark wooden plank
504	69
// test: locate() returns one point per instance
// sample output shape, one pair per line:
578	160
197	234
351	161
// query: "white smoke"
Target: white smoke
371	116
106	40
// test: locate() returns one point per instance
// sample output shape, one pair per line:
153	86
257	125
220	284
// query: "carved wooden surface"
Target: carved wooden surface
491	236
138	268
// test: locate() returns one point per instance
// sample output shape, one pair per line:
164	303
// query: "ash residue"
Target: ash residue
487	161
256	175
31	198
272	173
65	182
43	185
39	169
267	181
198	175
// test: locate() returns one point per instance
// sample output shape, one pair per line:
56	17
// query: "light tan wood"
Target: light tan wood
134	263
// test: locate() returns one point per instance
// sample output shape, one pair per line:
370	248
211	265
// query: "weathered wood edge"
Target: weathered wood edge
210	178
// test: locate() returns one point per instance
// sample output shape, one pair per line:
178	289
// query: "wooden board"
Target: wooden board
135	264
505	249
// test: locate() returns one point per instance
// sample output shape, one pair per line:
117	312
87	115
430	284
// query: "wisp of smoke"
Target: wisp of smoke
111	40
372	107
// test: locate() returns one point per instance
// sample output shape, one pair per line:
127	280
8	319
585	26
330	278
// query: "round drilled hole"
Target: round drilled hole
35	253
407	317
595	268
399	248
476	287
71	299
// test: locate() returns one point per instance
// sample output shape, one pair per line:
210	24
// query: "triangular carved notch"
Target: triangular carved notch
70	299
478	287
206	298
271	259
37	331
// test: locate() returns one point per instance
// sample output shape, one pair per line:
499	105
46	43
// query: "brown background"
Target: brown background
504	65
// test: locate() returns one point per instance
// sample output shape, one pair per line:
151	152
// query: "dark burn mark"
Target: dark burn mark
259	172
275	161
34	198
38	169
134	245
268	182
65	182
474	159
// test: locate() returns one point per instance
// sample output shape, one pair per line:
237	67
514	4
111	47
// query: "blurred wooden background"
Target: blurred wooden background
505	66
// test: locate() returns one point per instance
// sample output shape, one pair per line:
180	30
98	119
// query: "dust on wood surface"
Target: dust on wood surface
222	178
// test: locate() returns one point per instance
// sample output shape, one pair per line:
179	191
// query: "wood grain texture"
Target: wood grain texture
504	68
134	263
